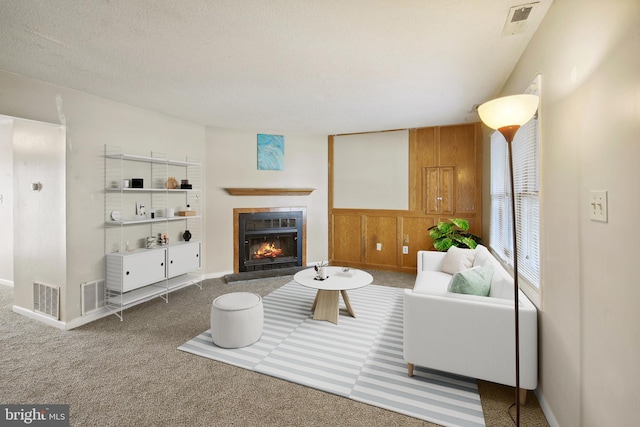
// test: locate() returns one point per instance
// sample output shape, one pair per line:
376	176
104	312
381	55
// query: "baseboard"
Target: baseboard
546	410
65	326
39	317
215	275
88	318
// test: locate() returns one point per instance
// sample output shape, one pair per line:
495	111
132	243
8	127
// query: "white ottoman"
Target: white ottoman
236	319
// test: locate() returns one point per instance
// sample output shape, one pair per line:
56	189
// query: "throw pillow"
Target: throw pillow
458	259
474	281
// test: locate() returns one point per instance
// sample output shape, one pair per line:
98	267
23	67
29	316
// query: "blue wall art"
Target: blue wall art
270	152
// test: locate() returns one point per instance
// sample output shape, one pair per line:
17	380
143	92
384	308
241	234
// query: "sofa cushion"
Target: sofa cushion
474	281
502	282
458	259
432	282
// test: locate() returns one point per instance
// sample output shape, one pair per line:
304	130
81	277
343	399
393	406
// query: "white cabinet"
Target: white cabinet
140	191
129	271
183	258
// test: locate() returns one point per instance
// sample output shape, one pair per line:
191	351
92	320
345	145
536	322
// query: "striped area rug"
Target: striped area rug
360	358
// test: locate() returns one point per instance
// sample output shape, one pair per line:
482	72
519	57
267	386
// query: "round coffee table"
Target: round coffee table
326	305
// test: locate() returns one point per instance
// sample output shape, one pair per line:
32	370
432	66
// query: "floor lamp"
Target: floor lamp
506	115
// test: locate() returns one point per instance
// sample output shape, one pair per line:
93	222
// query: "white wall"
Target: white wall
6	201
588	53
371	170
232	162
91	123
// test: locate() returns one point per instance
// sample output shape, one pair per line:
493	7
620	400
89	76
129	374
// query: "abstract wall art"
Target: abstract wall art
270	152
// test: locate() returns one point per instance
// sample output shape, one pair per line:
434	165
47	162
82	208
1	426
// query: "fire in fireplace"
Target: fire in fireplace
269	240
267	250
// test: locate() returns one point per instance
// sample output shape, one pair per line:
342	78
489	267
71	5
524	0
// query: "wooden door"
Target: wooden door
439	190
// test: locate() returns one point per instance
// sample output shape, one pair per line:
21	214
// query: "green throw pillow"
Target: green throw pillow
473	281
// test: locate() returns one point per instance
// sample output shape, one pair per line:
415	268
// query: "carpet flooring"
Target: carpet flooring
360	358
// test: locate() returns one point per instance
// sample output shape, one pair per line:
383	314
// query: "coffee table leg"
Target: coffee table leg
326	306
345	297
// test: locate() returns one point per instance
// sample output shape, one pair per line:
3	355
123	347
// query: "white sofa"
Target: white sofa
469	335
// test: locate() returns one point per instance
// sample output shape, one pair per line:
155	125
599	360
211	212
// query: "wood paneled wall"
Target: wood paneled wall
445	181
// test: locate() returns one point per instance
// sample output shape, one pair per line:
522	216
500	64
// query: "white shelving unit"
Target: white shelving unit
136	273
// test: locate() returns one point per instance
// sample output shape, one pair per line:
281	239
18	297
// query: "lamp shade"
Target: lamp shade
514	110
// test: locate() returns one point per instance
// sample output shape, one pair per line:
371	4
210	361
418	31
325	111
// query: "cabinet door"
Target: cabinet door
439	190
126	272
183	258
142	269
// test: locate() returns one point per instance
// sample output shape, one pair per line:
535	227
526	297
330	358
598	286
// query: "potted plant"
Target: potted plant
455	233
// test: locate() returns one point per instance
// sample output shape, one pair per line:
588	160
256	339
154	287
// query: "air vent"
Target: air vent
46	299
518	18
93	296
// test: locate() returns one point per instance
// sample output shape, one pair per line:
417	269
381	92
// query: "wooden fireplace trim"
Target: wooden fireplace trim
236	225
269	191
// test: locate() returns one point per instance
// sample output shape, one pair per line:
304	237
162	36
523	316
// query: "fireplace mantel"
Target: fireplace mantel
269	191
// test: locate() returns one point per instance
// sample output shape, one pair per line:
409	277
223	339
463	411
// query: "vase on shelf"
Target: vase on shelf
186	235
171	183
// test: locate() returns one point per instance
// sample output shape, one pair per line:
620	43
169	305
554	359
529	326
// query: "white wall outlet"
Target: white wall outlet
405	250
598	206
378	246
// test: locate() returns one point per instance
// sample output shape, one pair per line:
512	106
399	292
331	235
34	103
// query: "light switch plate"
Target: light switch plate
598	206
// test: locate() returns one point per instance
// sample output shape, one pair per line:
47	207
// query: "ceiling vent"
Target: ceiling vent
518	18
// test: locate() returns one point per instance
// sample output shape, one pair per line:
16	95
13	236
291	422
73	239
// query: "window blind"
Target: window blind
527	188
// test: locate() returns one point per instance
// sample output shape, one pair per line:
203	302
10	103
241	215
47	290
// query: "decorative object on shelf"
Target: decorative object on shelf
171	183
186	235
125	183
116	215
321	272
506	115
456	233
187	213
137	183
184	185
152	242
270	152
140	209
170	212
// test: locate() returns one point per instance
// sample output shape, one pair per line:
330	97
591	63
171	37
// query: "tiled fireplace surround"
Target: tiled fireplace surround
269	225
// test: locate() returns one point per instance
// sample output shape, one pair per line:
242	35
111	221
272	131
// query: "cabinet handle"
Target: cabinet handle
162	264
438	198
127	273
171	262
197	255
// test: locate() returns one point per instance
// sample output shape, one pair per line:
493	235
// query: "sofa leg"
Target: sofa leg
522	394
410	369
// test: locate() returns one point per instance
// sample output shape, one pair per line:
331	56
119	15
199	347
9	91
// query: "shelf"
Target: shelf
146	221
269	191
149	292
146	159
150	190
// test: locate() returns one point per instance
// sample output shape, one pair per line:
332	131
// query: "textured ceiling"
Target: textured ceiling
324	67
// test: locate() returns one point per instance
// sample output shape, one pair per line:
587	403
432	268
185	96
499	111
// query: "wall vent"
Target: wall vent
518	18
93	296
46	299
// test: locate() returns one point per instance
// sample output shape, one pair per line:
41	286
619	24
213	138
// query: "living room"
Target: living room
587	55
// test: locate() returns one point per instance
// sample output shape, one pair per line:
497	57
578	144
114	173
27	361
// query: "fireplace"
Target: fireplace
269	240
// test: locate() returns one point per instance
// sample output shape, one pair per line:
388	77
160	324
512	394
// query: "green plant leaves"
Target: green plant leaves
446	234
462	224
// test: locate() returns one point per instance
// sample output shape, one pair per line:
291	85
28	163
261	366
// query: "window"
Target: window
526	168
